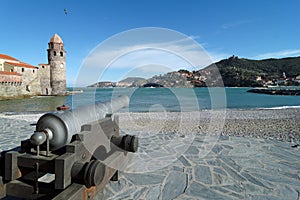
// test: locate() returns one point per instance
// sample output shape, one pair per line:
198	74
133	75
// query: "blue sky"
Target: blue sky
253	29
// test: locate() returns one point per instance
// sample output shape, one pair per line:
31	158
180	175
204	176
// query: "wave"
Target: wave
279	107
25	116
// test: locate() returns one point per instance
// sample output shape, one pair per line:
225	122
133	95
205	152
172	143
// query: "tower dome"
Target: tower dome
56	39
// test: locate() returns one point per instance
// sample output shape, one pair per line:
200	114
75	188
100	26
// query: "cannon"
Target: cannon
71	154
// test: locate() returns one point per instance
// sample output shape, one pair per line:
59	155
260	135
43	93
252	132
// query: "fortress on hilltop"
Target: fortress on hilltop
19	79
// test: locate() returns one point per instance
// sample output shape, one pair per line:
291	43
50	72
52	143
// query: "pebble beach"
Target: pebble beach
279	124
222	154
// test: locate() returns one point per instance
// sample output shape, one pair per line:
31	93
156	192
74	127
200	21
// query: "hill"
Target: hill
131	80
127	82
246	73
234	71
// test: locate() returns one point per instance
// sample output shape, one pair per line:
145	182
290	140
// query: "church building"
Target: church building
19	79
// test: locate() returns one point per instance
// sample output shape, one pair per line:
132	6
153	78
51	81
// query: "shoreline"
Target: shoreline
16	113
279	124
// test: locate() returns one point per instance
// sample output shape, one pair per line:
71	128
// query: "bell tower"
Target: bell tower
57	62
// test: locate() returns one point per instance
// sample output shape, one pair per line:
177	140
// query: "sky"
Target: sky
108	40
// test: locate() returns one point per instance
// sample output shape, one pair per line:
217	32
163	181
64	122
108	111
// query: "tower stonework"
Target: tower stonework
57	63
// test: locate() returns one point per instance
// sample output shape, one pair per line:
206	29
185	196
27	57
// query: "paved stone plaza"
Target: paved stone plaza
196	166
235	168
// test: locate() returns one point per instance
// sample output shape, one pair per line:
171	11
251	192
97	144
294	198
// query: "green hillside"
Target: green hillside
244	72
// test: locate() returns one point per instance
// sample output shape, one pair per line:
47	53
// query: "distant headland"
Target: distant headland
19	79
233	72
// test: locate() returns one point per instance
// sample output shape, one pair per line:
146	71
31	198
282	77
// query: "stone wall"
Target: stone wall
31	81
10	91
30	85
44	74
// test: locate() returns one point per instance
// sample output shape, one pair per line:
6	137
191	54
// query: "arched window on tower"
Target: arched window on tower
54	53
61	54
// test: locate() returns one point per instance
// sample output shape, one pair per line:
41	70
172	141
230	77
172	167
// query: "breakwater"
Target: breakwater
294	92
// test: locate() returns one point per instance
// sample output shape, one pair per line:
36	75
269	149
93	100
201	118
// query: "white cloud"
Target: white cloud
148	71
146	47
235	24
174	55
280	54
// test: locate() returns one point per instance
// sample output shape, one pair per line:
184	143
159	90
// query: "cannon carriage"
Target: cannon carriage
71	155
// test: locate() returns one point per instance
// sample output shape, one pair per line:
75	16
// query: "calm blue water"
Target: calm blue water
158	99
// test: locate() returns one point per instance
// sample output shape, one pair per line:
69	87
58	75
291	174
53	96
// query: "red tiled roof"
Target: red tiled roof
3	56
10	73
21	64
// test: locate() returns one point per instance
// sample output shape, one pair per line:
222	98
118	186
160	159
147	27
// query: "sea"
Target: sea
155	100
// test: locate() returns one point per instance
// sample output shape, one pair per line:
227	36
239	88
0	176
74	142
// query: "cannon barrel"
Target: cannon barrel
61	126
